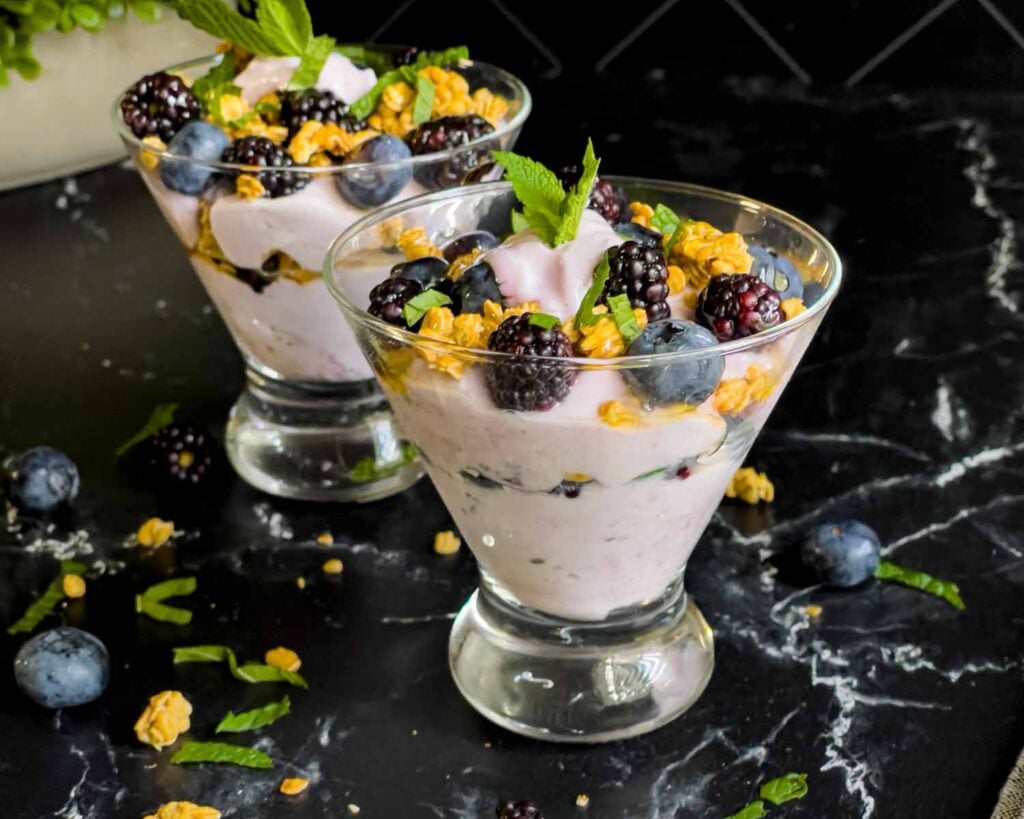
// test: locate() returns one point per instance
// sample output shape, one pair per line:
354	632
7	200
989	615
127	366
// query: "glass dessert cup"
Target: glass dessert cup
310	422
582	517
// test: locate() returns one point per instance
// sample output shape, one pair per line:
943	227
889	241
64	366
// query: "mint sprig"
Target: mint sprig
622	314
947	590
367	104
307	72
576	200
221	753
586	316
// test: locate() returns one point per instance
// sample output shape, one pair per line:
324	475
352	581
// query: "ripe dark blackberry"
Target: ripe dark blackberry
158	105
524	383
181	454
603	197
407	56
389	297
262	153
299	107
640	272
443	134
738	305
518	809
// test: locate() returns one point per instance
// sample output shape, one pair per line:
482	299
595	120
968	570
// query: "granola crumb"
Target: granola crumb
582	800
293	785
791	308
813	611
300	583
148	159
283	658
352	809
750	486
333	566
325	539
155	532
73	585
184	810
249	187
165	717
446	543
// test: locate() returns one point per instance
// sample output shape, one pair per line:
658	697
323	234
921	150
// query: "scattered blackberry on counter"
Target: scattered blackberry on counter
260	152
526	384
40	479
641	273
428	272
389	297
476	285
776	271
518	809
468	242
684	382
443	134
841	553
735	305
159	105
299	107
180	454
603	197
639	234
407	56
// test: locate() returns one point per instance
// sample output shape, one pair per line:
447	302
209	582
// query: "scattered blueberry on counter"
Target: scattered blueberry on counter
62	667
40	479
841	553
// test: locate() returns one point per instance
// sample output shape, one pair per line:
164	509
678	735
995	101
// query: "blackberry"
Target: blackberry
260	152
299	107
389	297
181	454
443	134
406	56
158	105
603	197
639	271
738	305
518	809
524	384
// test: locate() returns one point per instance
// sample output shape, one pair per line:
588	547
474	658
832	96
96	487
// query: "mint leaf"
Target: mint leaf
538	190
369	469
220	753
418	305
424	100
307	72
449	56
575	201
201	654
622	313
148	602
518	221
250	672
215	18
785	788
256	718
586	316
379	61
367	104
175	587
48	600
665	220
286	23
945	589
754	810
158	419
545	320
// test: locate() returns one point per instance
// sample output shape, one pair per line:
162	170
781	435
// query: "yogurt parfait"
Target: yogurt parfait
584	363
258	158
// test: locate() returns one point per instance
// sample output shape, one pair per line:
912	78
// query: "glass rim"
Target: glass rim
414	339
522	95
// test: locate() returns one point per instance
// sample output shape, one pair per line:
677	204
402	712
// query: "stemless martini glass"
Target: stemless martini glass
581	629
310	423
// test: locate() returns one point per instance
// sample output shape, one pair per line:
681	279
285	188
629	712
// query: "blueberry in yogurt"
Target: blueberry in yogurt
198	141
776	271
372	186
685	382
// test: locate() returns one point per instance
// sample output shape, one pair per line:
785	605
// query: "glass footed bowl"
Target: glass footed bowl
310	423
581	518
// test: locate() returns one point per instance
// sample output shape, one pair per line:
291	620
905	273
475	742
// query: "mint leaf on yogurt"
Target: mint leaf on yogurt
307	72
586	316
424	100
418	305
947	590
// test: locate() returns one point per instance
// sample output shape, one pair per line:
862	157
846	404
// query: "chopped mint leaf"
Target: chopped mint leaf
307	72
368	469
518	221
418	305
48	600
367	104
785	788
287	23
622	313
650	473
214	17
537	189
158	419
221	753
424	100
449	56
378	60
149	602
586	316
575	201
250	672
665	220
753	810
545	320
233	723
945	589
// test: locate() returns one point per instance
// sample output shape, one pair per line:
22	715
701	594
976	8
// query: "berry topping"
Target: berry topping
260	152
158	105
40	479
406	56
62	667
429	272
518	809
197	140
389	297
738	305
298	107
475	286
641	273
841	553
468	242
687	382
776	271
603	197
180	454
370	187
524	383
639	234
443	134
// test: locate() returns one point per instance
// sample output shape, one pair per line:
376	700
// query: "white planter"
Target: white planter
59	123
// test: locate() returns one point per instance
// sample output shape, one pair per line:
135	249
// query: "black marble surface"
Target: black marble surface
907	413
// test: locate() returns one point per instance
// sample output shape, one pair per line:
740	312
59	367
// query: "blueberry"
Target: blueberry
812	292
841	553
689	382
62	667
475	286
370	187
639	234
197	140
776	271
468	242
40	479
428	272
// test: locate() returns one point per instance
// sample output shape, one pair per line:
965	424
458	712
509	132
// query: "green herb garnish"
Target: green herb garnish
544	320
307	72
48	600
945	589
209	88
752	810
622	313
380	61
369	469
418	305
785	788
424	100
664	219
586	316
249	672
220	753
650	473
149	602
553	213
158	419
256	718
518	221
367	104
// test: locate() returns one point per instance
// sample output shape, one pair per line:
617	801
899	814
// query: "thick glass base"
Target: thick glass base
320	442
566	681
